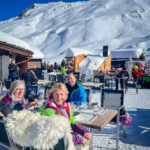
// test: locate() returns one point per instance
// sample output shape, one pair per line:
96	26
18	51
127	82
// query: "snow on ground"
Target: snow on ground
138	132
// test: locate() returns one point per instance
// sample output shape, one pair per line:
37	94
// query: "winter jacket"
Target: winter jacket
7	105
123	73
51	109
29	78
77	94
13	74
138	74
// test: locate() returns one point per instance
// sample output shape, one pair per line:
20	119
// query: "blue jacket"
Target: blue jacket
77	94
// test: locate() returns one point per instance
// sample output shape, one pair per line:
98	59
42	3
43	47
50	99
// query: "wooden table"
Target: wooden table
91	85
100	121
43	82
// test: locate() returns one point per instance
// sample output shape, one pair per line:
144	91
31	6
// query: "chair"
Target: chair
1	87
5	140
113	99
47	88
60	78
32	92
7	83
61	145
83	78
52	78
88	92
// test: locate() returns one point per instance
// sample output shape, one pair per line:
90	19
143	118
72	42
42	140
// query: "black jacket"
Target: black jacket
29	78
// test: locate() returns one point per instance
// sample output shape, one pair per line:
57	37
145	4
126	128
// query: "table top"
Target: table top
100	120
92	84
43	82
113	78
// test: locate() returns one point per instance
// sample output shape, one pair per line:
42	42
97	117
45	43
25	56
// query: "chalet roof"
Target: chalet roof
19	45
72	52
12	48
126	53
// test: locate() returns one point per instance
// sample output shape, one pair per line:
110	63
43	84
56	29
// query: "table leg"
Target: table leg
117	132
90	95
118	83
91	141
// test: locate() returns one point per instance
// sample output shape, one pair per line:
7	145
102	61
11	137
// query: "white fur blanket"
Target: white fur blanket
31	129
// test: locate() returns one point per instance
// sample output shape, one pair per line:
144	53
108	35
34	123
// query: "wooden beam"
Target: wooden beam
14	50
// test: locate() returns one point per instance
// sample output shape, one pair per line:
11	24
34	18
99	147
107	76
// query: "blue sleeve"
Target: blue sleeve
81	96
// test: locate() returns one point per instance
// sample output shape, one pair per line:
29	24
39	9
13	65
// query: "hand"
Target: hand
84	141
34	103
88	135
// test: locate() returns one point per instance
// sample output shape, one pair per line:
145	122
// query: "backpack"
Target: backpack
125	119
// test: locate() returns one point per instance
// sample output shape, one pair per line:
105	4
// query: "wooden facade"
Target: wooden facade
34	63
106	65
77	61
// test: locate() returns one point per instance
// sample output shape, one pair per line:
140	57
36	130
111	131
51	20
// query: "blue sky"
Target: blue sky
12	8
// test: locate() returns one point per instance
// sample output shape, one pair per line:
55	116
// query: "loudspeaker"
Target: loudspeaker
105	51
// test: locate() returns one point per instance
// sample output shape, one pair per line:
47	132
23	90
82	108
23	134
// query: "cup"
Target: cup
84	105
94	106
72	105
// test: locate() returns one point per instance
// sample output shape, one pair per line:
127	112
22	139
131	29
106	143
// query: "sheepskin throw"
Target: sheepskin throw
41	132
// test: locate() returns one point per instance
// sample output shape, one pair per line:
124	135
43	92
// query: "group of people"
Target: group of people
138	73
57	104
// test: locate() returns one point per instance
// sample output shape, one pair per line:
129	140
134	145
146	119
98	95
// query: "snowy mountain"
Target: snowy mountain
55	27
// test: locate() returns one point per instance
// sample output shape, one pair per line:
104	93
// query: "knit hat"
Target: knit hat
135	67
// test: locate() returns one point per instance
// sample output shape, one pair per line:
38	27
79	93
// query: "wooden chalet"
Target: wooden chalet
75	58
9	51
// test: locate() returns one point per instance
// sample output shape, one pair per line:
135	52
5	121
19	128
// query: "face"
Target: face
19	91
71	80
13	62
59	96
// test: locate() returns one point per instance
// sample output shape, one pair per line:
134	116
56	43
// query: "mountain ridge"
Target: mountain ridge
56	26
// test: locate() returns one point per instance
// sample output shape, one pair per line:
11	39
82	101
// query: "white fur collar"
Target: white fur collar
30	129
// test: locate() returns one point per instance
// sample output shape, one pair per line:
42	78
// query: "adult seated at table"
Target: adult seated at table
123	73
29	77
57	106
14	99
77	93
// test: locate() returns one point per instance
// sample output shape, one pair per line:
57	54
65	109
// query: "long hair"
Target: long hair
15	84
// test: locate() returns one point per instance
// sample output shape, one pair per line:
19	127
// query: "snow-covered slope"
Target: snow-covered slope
55	27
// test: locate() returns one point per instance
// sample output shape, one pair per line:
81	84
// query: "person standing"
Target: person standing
13	73
29	77
123	81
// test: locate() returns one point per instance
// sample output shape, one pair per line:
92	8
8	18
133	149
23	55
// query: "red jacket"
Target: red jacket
137	74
